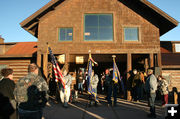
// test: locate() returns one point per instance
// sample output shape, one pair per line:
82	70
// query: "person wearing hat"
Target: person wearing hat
151	87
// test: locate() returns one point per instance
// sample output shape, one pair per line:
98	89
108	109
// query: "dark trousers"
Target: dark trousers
110	90
30	115
136	93
151	101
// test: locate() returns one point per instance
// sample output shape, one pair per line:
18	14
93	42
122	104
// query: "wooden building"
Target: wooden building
170	52
130	29
17	56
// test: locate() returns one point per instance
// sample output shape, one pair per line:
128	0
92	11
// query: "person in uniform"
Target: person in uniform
31	94
94	83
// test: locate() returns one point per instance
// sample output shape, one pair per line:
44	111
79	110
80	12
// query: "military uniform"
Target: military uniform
94	83
31	94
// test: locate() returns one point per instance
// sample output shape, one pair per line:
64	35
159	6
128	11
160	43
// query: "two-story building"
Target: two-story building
129	29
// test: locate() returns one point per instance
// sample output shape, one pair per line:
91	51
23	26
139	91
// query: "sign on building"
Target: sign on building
79	59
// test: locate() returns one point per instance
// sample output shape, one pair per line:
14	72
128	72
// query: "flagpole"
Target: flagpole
114	56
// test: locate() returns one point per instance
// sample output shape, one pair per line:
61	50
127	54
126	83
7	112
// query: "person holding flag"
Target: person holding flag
92	82
93	88
114	83
63	80
65	91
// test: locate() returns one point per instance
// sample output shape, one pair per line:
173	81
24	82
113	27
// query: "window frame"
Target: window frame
131	41
97	14
59	34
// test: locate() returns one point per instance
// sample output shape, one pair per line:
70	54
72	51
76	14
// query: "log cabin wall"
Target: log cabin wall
19	66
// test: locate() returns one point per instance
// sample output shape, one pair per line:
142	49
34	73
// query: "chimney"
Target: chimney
1	39
2	46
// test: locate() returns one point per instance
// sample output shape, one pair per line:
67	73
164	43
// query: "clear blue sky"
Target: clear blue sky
12	12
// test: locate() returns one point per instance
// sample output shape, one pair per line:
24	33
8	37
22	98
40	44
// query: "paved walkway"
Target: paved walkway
80	110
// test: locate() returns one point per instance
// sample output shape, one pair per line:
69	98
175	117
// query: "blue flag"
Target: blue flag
89	74
91	91
116	75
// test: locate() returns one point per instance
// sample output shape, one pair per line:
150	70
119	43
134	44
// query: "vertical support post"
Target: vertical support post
39	59
151	57
67	61
159	62
146	66
129	68
45	62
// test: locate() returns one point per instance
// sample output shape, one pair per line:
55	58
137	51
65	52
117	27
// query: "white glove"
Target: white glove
56	80
66	86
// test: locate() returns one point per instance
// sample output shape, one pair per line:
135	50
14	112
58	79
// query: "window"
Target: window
65	34
131	34
177	47
98	27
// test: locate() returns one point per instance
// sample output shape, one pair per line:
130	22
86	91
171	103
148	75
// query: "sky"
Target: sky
13	12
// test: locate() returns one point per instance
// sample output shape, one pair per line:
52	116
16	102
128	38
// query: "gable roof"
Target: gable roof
146	9
22	49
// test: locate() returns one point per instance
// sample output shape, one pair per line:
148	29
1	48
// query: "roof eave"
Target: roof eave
171	19
32	21
16	56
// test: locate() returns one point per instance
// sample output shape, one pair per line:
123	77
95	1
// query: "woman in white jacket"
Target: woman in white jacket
163	88
65	92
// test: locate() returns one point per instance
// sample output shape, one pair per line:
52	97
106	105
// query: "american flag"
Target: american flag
57	71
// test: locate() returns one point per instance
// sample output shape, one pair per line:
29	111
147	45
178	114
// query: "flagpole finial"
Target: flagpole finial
113	56
89	51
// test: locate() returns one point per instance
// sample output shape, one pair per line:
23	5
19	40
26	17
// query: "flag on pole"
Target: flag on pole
57	71
91	91
116	75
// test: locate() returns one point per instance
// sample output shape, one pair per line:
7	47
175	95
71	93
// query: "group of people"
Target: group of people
150	84
30	94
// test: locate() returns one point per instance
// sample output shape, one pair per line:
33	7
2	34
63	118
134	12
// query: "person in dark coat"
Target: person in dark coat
112	87
7	87
136	82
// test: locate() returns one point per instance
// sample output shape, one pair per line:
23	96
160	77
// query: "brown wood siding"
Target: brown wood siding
71	14
173	77
20	67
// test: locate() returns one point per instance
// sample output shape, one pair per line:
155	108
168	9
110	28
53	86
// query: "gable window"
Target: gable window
98	27
131	34
65	34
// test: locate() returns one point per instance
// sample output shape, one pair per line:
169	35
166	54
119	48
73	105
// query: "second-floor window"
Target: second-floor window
131	34
65	34
98	27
